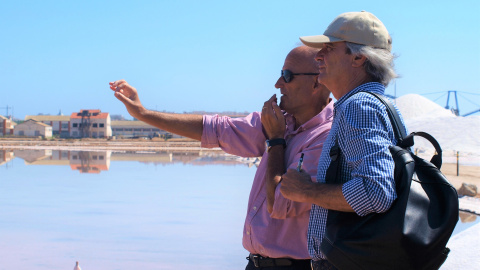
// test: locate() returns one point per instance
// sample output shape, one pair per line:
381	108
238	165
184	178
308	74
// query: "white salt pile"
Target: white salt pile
414	106
454	133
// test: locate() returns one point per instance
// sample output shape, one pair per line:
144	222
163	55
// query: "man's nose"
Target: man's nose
319	55
279	83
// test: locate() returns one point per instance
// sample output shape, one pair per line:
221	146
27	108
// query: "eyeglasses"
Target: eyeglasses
288	75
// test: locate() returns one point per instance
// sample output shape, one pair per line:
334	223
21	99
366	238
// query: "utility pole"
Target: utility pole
7	107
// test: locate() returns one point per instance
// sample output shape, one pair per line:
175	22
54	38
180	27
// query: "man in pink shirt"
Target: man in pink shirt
275	231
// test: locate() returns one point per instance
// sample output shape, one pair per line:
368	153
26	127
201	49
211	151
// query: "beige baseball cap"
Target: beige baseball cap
356	27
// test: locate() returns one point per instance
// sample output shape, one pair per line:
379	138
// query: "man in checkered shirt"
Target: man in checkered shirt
355	58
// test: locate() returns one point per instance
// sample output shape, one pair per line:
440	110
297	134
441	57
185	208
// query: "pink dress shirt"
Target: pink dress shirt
282	234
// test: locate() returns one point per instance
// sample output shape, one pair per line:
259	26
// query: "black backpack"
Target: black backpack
414	232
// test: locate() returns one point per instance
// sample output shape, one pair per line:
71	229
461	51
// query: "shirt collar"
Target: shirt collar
372	87
319	119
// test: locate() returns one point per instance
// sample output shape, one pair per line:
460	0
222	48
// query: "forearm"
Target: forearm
328	196
187	125
275	169
297	186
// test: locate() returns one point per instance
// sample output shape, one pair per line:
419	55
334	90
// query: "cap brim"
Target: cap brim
318	41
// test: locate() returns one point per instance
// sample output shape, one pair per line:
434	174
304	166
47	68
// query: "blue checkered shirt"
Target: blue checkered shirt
364	134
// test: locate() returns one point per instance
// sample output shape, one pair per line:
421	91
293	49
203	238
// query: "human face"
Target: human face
333	64
297	93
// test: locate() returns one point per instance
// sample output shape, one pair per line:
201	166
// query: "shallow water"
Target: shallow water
125	210
122	210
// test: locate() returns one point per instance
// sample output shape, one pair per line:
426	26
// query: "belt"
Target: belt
322	265
260	261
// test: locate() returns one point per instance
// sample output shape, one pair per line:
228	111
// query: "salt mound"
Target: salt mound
453	133
413	105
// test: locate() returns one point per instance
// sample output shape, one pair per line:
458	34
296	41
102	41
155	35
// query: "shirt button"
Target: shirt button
248	233
255	208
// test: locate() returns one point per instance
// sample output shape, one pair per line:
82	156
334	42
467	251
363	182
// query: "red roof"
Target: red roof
94	114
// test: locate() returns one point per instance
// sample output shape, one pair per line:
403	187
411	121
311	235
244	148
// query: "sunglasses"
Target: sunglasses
288	75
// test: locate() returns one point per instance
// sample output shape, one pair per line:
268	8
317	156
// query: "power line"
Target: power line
467	99
440	96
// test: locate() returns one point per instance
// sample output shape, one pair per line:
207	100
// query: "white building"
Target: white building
90	124
60	123
32	128
133	129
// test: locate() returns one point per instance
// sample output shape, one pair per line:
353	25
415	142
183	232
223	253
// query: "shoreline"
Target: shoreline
468	173
104	144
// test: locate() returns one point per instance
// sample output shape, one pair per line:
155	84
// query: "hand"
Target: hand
295	184
273	120
128	96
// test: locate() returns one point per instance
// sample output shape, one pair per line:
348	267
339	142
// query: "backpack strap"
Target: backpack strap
407	141
397	125
334	168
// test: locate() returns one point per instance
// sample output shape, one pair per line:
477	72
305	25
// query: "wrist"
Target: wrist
276	142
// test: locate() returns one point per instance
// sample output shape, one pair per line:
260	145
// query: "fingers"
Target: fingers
277	110
122	98
117	85
268	105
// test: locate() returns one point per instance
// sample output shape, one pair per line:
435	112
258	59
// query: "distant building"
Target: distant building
133	129
60	123
6	126
32	128
90	124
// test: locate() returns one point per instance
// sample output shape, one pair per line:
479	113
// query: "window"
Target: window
94	124
101	125
37	133
101	157
21	133
64	126
138	129
75	125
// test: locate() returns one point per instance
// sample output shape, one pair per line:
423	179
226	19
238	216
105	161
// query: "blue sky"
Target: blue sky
212	55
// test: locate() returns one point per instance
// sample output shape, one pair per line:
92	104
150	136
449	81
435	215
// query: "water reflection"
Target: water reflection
145	210
97	161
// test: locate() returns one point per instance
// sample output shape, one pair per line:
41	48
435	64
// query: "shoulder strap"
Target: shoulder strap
404	141
407	141
397	125
334	169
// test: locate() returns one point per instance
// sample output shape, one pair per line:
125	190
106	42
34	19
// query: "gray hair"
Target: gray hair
379	64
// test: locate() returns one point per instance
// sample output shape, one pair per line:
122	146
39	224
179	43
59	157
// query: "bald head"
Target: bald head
304	58
302	95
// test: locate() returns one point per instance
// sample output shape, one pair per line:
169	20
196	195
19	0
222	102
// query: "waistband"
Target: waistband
260	261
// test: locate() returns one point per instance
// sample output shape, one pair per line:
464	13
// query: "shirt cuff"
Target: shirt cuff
356	196
209	137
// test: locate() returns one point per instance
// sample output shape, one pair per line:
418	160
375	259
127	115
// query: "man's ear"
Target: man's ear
358	60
